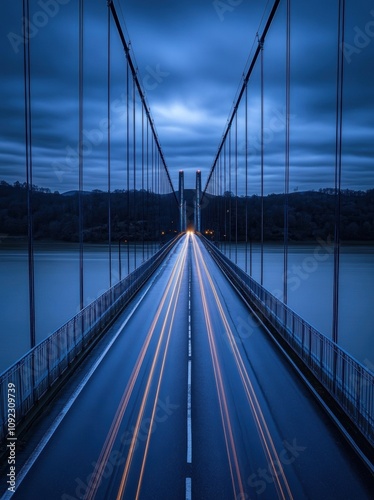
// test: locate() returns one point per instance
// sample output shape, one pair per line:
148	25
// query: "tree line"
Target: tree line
311	215
143	215
134	215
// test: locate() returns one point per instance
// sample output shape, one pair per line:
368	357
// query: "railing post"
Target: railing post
33	388
358	391
49	362
310	345
334	369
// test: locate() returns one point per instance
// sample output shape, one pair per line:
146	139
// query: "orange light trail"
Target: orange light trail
114	428
173	300
263	430
236	479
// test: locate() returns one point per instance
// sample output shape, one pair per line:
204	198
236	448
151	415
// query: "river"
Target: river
310	278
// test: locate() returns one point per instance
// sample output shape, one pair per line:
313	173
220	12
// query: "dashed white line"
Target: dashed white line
189	392
188	489
189	419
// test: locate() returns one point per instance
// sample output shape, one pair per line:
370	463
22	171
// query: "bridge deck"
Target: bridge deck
192	400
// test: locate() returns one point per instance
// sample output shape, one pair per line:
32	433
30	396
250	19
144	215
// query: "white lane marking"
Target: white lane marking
188	488
189	419
44	441
189	393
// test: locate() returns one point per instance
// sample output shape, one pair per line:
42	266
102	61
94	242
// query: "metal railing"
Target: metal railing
349	382
36	372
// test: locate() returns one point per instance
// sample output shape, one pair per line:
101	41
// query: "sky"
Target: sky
190	57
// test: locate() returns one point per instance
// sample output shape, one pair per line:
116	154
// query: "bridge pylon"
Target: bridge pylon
197	202
182	204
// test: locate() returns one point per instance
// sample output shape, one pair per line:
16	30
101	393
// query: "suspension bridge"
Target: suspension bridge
187	378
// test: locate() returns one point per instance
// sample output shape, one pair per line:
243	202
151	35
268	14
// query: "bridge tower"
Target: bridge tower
197	202
182	205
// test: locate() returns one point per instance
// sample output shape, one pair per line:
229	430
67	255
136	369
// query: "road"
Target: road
192	401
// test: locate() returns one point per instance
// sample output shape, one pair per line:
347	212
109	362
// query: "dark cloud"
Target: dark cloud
190	57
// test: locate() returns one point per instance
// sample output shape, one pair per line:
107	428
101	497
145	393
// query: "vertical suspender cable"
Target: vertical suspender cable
152	167
217	201
262	165
154	198
246	179
221	202
158	163
28	158
224	191
218	204
80	147
215	228
109	160
338	165
142	184
134	166
128	165
236	187
230	194
157	226
287	152
147	187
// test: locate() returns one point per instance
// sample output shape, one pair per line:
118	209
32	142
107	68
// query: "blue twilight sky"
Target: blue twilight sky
190	56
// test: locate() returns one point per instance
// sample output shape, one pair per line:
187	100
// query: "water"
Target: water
56	288
309	288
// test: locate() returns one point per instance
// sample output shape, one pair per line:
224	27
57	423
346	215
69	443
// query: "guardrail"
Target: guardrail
38	370
349	382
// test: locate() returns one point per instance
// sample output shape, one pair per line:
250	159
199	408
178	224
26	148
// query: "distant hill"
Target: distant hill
75	192
134	216
311	215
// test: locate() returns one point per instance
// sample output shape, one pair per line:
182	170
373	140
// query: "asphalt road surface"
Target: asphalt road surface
192	401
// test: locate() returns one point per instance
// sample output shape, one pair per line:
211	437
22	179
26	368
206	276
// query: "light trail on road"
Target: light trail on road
236	477
169	317
274	462
173	284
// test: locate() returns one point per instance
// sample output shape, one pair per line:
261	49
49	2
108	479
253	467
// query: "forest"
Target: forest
142	215
134	215
311	215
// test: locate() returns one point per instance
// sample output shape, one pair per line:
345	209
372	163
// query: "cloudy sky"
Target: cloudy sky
190	56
